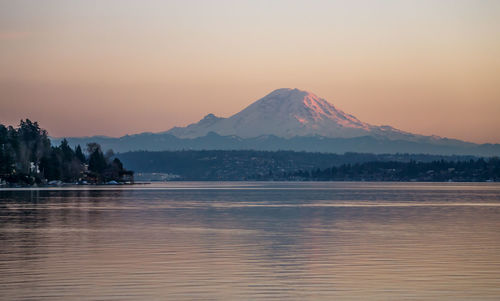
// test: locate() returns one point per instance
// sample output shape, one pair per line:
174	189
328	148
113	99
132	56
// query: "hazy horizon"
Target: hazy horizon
124	67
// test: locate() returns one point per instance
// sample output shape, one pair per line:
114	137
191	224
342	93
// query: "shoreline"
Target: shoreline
154	183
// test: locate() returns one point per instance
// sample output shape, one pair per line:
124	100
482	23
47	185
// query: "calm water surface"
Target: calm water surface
252	241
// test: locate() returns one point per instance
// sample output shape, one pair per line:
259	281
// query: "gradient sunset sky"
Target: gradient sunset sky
82	68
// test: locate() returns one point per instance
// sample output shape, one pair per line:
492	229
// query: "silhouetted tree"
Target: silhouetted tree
92	147
96	162
79	154
6	152
33	145
26	156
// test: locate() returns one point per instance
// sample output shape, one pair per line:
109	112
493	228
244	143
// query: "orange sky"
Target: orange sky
118	67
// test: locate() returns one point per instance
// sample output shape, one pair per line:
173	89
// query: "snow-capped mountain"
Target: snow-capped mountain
290	119
289	113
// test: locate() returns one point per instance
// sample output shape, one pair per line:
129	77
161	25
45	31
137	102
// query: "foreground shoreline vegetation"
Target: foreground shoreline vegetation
27	158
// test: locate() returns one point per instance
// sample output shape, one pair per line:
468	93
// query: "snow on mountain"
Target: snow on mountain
289	119
288	113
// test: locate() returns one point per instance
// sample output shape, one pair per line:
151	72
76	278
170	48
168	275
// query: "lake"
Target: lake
252	241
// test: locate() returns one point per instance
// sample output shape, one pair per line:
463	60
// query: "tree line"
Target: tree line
241	165
479	170
27	157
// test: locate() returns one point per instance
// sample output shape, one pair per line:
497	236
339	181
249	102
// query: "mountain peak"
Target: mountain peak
211	117
287	113
286	91
290	94
209	120
304	106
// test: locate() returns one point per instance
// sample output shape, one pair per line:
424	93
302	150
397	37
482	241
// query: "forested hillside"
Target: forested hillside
27	157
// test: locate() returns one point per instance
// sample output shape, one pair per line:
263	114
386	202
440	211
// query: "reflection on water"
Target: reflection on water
286	241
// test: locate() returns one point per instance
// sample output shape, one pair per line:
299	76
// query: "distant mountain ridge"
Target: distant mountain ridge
213	141
290	119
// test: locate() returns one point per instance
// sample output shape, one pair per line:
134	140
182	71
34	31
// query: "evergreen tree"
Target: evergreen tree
79	154
66	151
6	152
26	156
97	162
